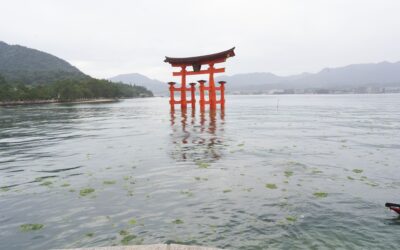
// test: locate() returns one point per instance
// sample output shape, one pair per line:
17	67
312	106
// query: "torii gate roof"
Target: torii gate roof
199	60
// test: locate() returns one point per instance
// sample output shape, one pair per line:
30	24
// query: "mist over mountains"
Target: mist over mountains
155	86
351	77
359	78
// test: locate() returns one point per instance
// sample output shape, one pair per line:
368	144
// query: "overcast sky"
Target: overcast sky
106	38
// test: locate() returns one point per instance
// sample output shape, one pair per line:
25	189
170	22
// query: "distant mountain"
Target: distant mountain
155	86
29	66
382	74
371	75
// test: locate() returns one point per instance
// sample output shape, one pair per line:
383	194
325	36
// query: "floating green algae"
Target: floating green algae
109	182
197	178
357	171
177	221
65	185
291	218
271	186
31	227
317	172
350	178
132	222
46	183
39	179
202	164
288	173
123	233
320	194
89	234
127	239
227	190
187	193
86	191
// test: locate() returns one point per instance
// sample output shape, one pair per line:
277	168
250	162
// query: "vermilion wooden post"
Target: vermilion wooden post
183	88
211	85
192	92
222	93
171	94
202	101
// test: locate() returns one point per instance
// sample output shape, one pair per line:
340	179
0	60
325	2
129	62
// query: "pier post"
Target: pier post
193	94
172	94
222	93
202	101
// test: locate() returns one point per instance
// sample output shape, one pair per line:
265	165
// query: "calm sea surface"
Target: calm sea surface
286	172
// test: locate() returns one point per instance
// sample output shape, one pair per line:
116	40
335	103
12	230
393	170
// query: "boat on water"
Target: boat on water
393	206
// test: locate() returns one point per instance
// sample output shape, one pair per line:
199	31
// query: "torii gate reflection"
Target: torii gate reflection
197	137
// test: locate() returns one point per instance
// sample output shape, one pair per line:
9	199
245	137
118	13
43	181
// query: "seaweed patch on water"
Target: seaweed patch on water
372	184
109	182
31	227
89	235
271	186
177	221
227	191
358	171
65	185
187	193
316	172
123	233
320	194
288	173
132	221
86	191
46	183
42	178
127	239
291	218
202	164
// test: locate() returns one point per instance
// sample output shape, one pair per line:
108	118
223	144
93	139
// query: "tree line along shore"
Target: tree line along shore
68	90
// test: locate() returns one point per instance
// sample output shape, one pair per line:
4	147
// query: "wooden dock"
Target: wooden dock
149	247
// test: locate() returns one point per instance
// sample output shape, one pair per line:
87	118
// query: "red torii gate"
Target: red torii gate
196	63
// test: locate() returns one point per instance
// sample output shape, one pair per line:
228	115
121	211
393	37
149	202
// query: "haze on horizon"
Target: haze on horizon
107	38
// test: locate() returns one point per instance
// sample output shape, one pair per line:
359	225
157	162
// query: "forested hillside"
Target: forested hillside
28	74
19	64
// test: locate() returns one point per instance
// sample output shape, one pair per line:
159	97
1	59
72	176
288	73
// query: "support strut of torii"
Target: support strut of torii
196	63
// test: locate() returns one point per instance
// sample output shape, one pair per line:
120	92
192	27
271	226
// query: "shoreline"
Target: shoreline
37	102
